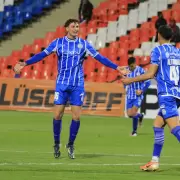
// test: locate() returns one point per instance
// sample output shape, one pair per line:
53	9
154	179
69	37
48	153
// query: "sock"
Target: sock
57	130
176	132
158	143
74	127
135	123
139	115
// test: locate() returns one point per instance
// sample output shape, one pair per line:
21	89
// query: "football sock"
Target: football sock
135	123
57	124
139	115
176	132
158	143
74	128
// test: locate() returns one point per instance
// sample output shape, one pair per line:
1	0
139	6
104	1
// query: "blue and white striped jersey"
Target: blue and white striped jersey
131	88
71	55
167	57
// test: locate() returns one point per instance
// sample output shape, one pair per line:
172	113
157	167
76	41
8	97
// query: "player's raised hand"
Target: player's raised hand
139	92
126	81
123	70
18	67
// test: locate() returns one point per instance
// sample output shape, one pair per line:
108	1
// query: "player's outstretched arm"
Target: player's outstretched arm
148	75
36	58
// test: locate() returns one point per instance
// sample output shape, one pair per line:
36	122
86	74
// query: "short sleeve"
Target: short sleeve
155	56
91	50
142	71
52	47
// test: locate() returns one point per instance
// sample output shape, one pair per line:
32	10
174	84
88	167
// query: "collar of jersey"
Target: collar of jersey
71	39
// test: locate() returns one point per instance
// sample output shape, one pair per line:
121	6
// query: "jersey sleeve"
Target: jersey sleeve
155	56
91	50
52	47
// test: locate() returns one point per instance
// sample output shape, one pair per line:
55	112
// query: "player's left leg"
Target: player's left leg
159	124
135	115
76	101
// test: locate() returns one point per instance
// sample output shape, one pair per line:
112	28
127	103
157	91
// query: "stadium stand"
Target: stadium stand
14	14
118	29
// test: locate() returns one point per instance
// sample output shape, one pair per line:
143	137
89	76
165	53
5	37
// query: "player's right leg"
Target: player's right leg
60	100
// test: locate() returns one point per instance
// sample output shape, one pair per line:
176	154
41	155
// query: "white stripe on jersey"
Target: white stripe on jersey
76	69
61	58
162	66
66	64
56	48
72	63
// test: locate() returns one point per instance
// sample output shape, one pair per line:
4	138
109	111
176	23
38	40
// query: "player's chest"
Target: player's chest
71	49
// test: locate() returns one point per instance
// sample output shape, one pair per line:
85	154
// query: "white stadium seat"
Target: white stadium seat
138	52
132	19
92	39
101	38
143	12
122	25
111	31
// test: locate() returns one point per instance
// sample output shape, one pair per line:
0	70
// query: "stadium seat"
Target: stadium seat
144	60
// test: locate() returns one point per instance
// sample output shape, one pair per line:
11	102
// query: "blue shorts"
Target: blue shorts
168	106
133	102
65	93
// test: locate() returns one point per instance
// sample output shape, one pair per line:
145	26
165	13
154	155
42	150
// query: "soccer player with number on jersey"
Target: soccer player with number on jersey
134	94
71	52
165	67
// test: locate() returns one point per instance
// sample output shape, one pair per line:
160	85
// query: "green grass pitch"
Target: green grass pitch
104	149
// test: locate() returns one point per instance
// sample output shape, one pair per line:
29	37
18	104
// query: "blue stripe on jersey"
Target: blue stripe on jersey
131	88
71	55
167	57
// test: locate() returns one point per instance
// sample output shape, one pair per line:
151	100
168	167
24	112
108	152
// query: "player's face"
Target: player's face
132	66
73	29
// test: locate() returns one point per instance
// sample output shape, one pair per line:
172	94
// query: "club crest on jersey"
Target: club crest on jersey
167	55
80	46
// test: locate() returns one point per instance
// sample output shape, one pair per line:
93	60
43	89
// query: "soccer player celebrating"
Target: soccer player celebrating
165	66
134	94
71	51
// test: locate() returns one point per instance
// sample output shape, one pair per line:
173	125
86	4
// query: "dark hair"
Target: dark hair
131	60
166	32
69	21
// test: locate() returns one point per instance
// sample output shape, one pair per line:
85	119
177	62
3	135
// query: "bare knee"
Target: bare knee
58	113
76	116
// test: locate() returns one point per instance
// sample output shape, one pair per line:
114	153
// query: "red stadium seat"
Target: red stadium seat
27	48
146	67
167	14
144	60
26	72
144	35
176	6
146	25
16	53
104	51
60	32
114	44
124	38
112	51
152	30
91	77
112	75
101	77
134	35
25	55
36	74
134	44
176	15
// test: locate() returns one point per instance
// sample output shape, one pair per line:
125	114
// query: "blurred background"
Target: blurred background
117	28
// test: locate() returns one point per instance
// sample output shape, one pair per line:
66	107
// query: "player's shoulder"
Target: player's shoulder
140	69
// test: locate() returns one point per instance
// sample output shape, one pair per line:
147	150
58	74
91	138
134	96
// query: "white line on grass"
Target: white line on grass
95	154
77	164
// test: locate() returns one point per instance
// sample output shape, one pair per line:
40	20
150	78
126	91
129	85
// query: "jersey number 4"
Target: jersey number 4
174	74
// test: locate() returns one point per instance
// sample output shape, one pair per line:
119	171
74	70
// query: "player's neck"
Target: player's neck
71	37
164	42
